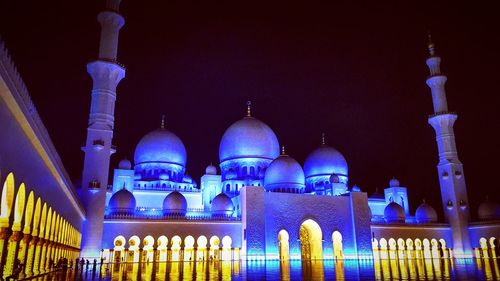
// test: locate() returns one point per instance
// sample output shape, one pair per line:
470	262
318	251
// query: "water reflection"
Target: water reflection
378	269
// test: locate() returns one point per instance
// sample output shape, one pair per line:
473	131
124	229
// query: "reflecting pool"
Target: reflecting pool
386	269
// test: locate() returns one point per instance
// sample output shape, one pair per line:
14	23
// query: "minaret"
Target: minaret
106	73
450	170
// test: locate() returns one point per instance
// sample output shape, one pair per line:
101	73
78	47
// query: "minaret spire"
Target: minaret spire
162	121
323	139
106	73
249	109
450	169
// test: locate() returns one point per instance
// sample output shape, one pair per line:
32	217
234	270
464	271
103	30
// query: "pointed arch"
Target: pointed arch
29	212
283	244
311	238
338	251
7	200
19	208
36	217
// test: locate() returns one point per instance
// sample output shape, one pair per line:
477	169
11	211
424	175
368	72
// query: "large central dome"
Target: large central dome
160	146
248	138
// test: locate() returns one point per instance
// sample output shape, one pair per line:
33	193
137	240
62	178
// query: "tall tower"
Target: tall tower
106	73
450	169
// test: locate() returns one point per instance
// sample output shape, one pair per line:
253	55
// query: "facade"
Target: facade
262	205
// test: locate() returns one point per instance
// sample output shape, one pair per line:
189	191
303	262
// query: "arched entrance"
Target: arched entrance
188	248
147	249
133	249
284	249
201	248
162	247
338	252
176	248
226	248
119	244
310	240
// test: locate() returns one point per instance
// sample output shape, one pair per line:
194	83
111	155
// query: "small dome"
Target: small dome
284	173
211	170
160	146
488	210
175	203
325	160
356	188
125	165
394	183
248	138
394	213
123	201
222	205
425	214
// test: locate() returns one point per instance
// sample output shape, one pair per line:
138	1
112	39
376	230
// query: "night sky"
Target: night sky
356	72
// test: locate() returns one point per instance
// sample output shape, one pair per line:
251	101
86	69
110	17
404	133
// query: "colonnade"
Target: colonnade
177	249
32	233
488	248
410	249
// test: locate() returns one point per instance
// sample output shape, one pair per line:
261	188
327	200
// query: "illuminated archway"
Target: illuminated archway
226	248
401	248
133	249
483	243
435	248
494	247
338	252
383	248
410	248
311	240
176	248
214	247
8	190
119	247
189	248
162	247
148	249
392	248
201	248
426	248
442	247
284	248
28	217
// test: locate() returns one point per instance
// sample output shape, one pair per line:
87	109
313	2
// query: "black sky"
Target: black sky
355	71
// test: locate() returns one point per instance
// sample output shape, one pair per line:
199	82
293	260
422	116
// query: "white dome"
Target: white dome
394	213
211	170
160	146
284	173
248	138
488	210
425	213
325	160
394	183
125	165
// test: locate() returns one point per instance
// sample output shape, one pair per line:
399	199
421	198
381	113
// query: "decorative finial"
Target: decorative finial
430	45
163	121
249	109
323	141
423	201
283	150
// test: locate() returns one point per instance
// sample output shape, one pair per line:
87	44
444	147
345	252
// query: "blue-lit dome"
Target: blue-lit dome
284	174
425	213
325	160
394	213
248	138
160	146
488	210
123	201
222	205
211	170
175	203
125	164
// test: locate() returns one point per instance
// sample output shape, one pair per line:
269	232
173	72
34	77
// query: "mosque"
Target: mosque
258	203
